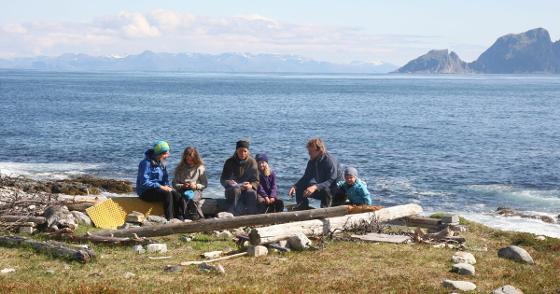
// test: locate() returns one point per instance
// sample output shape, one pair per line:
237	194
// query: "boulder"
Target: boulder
463	269
516	253
81	218
156	248
507	289
257	251
135	217
463	257
299	242
459	285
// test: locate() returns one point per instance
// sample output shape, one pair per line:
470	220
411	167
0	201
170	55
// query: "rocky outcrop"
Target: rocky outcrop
436	62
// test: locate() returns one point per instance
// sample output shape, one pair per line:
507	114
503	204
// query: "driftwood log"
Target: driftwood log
208	225
51	248
21	218
68	235
317	227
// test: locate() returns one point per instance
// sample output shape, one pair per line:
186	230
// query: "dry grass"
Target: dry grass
347	267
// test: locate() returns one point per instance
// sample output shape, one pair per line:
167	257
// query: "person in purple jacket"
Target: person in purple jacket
267	196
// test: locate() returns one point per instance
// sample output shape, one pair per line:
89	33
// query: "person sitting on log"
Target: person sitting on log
267	196
152	181
190	180
352	189
240	178
324	169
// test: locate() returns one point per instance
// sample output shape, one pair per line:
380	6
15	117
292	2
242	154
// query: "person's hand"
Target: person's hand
310	190
272	200
231	182
247	186
166	188
292	191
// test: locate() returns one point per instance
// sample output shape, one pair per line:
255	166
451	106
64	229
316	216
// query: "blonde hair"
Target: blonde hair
267	171
317	144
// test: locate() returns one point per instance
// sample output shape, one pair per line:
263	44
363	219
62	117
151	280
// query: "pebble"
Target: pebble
212	254
173	268
129	275
138	249
225	235
7	270
257	251
50	271
156	219
463	269
224	215
463	257
459	285
540	238
156	248
205	267
507	289
299	242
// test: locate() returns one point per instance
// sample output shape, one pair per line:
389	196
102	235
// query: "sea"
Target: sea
464	144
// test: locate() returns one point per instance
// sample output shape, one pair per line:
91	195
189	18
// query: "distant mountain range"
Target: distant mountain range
193	62
529	52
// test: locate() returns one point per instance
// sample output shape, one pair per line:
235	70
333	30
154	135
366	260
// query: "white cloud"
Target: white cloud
170	31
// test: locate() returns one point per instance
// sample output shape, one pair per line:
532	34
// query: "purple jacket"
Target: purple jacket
267	186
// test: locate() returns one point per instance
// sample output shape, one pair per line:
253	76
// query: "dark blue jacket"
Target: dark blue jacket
325	170
151	174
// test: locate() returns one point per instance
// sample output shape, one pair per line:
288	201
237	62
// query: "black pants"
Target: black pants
277	206
171	201
303	202
191	209
241	202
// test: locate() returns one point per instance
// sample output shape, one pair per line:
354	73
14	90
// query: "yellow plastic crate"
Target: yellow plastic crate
112	213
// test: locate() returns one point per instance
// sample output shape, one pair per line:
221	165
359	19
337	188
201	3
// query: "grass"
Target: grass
340	267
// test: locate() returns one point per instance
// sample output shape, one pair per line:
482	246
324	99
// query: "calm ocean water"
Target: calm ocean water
452	143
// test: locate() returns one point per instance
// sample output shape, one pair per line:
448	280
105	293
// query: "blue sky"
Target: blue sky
338	31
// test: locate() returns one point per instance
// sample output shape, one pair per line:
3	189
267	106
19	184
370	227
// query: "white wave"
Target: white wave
52	171
508	192
516	224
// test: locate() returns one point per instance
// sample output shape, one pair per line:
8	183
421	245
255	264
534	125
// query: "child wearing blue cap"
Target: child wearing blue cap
152	181
353	189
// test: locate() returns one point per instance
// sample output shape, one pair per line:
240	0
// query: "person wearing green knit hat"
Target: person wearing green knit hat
152	181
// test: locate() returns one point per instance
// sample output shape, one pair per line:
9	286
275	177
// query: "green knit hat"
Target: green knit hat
160	147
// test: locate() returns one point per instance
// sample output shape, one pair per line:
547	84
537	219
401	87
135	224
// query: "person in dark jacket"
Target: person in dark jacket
324	170
152	181
267	193
240	178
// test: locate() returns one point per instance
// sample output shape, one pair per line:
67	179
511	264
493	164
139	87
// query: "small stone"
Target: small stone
224	215
31	207
186	238
257	251
516	253
173	268
212	254
540	238
459	285
283	243
7	270
507	289
463	269
156	219
26	230
50	271
128	226
205	267
463	257
81	218
138	249
174	221
129	275
67	266
458	228
440	245
156	248
187	220
299	242
135	217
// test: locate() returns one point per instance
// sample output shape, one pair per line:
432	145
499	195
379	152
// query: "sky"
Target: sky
337	31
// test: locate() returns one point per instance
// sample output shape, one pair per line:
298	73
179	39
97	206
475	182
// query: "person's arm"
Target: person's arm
254	175
144	176
202	181
331	168
307	175
261	192
340	183
165	178
364	194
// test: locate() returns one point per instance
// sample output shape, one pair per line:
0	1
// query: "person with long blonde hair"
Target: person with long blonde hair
190	180
267	193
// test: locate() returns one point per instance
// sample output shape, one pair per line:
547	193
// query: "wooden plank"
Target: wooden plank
384	238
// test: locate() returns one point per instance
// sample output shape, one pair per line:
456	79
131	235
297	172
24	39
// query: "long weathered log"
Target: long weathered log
21	218
68	235
318	227
55	249
432	224
207	225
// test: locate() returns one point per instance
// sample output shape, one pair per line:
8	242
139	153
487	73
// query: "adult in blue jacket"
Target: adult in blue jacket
319	180
152	182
